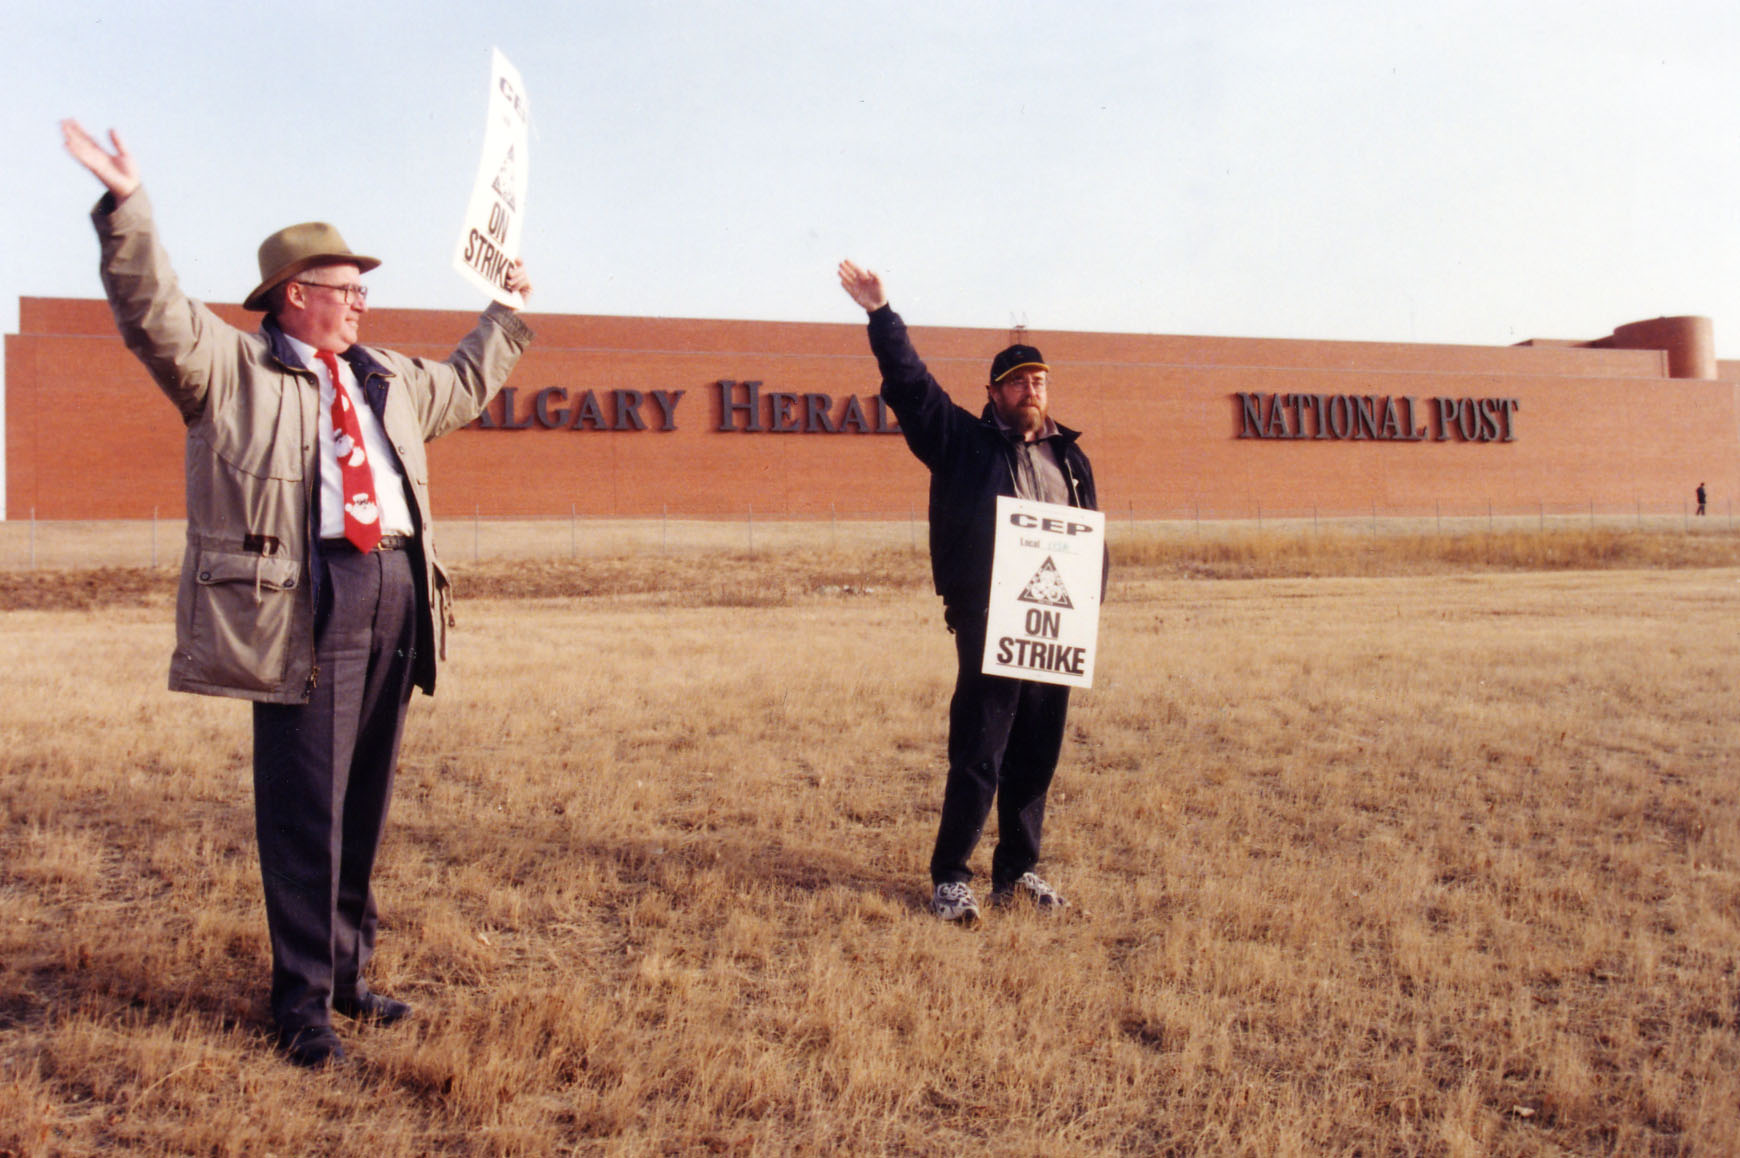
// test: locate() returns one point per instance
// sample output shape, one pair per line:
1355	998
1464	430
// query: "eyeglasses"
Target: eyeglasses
1023	383
354	294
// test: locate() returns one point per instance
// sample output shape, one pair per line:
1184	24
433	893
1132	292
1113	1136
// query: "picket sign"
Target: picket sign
489	239
1046	573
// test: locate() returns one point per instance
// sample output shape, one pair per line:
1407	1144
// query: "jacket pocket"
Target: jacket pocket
243	610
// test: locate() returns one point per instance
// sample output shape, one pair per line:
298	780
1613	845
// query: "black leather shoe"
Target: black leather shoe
372	1007
312	1046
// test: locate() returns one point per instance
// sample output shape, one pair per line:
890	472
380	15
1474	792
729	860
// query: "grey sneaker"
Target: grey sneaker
1033	887
953	901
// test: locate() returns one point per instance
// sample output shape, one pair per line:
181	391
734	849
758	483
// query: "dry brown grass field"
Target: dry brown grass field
1400	844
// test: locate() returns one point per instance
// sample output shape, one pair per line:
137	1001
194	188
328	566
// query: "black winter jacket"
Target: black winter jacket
971	462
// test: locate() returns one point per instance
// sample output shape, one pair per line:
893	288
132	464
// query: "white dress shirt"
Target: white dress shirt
389	481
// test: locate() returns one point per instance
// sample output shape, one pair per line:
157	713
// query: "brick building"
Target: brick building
643	416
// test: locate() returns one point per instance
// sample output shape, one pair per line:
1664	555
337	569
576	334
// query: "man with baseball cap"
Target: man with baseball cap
309	583
1004	734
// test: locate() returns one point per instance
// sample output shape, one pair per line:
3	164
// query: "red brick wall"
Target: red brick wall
87	436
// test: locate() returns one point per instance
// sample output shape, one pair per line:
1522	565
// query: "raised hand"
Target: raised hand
115	170
862	286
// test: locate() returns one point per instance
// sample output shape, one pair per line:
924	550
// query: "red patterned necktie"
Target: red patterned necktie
362	518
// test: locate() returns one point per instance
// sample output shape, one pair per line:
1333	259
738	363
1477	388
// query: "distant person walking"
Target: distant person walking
1005	735
309	583
1701	497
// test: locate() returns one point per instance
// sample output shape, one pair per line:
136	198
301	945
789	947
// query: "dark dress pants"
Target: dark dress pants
1004	739
323	774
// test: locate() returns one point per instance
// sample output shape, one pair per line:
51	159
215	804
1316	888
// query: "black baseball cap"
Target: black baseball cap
1016	358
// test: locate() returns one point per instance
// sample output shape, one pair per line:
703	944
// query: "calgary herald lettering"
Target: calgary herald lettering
743	407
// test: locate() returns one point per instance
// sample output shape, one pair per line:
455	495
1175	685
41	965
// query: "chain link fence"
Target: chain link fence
26	542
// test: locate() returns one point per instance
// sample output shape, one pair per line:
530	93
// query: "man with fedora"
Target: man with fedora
1004	734
309	584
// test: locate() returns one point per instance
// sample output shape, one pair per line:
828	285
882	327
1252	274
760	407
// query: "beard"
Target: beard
1025	417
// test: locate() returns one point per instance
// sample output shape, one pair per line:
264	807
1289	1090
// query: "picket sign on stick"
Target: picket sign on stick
489	240
1046	571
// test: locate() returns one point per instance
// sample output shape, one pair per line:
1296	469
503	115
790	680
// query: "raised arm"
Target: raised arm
185	346
863	286
928	418
115	170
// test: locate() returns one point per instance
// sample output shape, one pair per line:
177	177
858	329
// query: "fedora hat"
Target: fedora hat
290	251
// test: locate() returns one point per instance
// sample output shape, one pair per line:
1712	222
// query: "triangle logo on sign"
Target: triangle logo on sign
1046	587
504	182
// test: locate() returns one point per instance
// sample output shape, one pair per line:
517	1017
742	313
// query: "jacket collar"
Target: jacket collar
362	363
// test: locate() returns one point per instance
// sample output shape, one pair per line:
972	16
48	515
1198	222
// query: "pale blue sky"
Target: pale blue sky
1470	171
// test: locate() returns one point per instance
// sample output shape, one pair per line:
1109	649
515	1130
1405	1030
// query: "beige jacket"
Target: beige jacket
244	621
